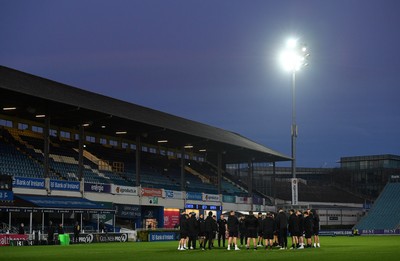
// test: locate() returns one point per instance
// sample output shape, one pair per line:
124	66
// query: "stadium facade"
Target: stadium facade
60	142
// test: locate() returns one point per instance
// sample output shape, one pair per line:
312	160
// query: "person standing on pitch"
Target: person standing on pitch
251	228
294	228
202	230
268	227
184	231
77	231
315	227
308	228
221	230
301	229
259	229
242	231
233	230
282	224
192	229
209	228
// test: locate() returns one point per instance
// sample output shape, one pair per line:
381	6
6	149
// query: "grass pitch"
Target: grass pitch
332	248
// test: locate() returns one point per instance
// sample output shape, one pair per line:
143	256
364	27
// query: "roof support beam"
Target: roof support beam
138	154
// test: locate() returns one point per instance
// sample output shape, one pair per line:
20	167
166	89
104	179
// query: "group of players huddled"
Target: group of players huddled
268	231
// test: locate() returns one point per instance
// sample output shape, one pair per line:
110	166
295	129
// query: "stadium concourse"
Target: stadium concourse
141	166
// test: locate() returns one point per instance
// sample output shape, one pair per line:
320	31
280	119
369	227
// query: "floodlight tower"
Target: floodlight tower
293	58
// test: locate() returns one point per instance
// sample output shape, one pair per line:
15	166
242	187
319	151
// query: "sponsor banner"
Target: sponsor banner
151	192
242	200
173	194
65	185
171	218
228	199
128	211
101	237
211	197
379	231
5	238
345	232
162	236
194	196
258	201
99	188
6	195
29	183
295	192
124	190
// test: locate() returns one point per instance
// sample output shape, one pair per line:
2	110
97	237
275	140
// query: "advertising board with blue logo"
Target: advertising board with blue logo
99	188
211	197
6	195
173	194
163	236
29	183
194	196
65	185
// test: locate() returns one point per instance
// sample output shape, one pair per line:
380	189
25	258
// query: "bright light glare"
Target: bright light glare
294	56
291	43
290	60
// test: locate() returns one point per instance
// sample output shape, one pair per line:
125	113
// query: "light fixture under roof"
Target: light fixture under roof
40	116
121	132
162	141
85	125
9	108
103	126
188	146
203	150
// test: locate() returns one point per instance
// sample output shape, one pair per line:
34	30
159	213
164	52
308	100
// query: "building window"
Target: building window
124	145
23	126
37	129
90	139
113	143
65	134
103	141
53	133
6	123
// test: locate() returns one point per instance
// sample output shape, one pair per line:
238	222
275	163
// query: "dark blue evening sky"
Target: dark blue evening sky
216	62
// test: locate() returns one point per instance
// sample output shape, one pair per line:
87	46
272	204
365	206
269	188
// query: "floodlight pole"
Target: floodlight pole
294	136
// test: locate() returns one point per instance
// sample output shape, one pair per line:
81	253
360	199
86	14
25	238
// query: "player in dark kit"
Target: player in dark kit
259	229
308	228
242	231
193	230
233	230
268	228
316	227
202	230
221	230
294	228
184	231
301	229
251	228
209	229
282	223
77	231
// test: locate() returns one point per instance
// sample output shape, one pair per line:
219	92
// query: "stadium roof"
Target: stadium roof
70	107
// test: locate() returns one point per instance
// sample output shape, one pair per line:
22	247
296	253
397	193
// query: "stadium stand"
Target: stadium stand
384	214
105	164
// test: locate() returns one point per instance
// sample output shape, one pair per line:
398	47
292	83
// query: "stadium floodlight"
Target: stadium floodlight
293	58
9	108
